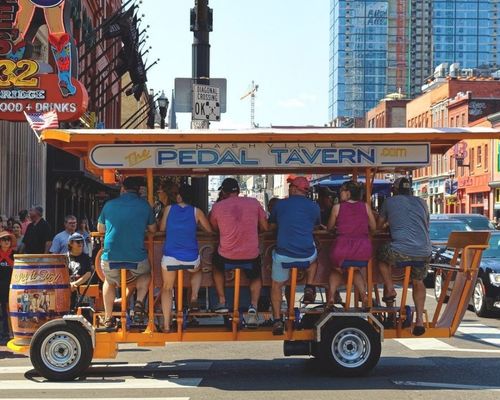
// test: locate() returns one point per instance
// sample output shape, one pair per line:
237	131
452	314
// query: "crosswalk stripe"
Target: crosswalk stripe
117	367
444	385
102	384
426	344
481	332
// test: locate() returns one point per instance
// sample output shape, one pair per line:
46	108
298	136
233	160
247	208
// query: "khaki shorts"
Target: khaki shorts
389	256
113	275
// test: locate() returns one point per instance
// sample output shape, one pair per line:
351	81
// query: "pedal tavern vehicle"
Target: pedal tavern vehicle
348	339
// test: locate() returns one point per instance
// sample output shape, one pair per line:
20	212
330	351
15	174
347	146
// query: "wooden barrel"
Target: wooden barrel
39	292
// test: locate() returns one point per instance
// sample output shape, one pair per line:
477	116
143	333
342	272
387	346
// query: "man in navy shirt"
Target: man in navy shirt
296	218
124	221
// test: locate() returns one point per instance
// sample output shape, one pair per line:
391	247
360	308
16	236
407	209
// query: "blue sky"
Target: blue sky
280	44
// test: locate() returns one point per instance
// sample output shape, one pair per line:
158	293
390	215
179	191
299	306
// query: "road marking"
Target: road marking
102	398
426	344
117	367
447	385
484	333
102	384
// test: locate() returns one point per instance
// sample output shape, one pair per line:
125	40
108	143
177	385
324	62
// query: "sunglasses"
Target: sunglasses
6	239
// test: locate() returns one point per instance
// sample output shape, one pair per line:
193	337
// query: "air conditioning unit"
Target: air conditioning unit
466	72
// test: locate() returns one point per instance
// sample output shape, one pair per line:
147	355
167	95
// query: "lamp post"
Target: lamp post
163	106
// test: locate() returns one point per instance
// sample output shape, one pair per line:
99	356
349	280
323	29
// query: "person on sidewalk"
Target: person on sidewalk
295	217
408	219
238	220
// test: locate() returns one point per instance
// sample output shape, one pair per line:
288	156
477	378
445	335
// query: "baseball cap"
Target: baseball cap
230	185
133	183
75	237
402	183
300	183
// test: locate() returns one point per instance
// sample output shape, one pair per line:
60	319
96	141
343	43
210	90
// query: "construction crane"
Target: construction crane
251	93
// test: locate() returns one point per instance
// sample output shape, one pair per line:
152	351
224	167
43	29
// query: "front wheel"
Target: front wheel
349	347
479	299
61	350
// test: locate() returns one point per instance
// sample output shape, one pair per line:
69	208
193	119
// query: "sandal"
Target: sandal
139	311
389	299
418	330
109	325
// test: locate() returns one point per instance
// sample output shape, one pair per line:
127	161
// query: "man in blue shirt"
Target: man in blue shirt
124	221
60	241
296	218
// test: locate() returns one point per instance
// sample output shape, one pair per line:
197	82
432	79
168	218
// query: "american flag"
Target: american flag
41	121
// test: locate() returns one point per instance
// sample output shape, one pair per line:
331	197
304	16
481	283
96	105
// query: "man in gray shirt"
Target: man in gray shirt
408	219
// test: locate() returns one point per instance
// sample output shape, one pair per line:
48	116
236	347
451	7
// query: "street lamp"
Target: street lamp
163	106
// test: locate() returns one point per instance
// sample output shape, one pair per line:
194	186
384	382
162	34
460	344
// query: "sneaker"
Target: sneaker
309	295
252	318
221	308
278	328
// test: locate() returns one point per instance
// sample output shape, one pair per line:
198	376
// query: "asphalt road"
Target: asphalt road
466	366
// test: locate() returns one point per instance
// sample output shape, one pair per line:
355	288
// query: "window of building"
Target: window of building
452	120
497	195
479	155
486	156
471	159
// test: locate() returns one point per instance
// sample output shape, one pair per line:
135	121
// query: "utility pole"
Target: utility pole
201	25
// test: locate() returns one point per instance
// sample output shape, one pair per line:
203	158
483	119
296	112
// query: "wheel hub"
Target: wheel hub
351	347
60	351
478	297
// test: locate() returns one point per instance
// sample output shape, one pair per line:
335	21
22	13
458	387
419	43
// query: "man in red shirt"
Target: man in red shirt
238	219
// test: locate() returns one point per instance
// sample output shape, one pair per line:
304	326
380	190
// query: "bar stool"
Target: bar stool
180	294
237	266
407	265
351	266
294	266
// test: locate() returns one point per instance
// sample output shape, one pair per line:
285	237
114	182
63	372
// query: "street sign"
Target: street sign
206	103
184	93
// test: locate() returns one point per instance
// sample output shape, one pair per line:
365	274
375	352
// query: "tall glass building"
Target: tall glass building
381	47
465	32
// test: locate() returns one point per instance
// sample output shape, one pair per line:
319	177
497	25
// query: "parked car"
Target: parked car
485	299
477	222
439	230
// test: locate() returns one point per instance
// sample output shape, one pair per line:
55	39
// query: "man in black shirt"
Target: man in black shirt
79	265
38	237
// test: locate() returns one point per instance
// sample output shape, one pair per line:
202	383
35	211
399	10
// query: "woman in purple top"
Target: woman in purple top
180	221
353	220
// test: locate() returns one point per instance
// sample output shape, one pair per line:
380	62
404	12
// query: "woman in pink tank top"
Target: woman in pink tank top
353	219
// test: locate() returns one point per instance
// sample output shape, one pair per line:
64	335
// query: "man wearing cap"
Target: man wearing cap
295	218
60	241
124	221
408	219
238	219
37	239
80	268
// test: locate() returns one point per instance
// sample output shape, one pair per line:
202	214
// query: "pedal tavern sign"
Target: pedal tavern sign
260	155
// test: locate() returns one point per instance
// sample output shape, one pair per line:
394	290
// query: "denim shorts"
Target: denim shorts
280	274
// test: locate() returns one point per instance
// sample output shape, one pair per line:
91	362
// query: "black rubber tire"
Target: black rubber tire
61	338
344	334
480	309
438	286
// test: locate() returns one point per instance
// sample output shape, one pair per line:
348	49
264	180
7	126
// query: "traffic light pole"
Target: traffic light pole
201	26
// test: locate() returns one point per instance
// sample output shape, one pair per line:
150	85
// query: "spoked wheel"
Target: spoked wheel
438	285
61	350
349	347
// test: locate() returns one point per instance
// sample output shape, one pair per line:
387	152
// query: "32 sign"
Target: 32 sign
18	74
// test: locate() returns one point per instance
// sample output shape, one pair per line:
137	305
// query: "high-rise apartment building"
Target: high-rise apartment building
381	47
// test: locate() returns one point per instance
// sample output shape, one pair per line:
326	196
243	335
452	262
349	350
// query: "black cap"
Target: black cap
133	183
402	184
230	185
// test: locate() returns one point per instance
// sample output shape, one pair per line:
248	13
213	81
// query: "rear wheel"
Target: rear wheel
61	350
349	347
